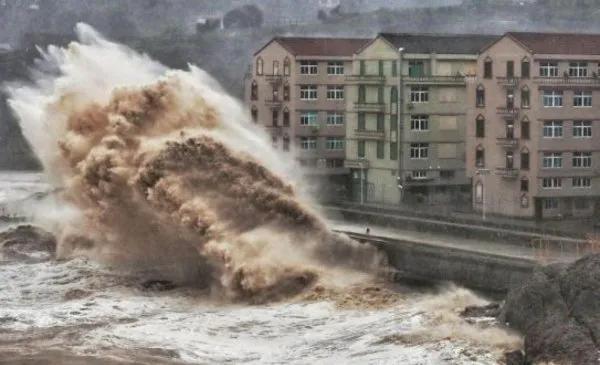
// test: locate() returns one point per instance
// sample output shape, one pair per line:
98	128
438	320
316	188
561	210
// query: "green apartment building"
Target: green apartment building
410	146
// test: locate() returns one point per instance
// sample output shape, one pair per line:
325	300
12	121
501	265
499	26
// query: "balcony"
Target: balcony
356	164
510	82
508	143
365	79
507	172
273	103
508	113
369	134
434	80
567	81
274	79
362	106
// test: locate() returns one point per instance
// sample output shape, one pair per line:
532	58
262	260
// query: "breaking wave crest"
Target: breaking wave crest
162	171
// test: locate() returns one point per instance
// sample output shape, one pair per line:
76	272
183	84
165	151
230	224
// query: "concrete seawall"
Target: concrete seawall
475	270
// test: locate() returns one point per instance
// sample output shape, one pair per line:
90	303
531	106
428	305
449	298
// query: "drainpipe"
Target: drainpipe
400	126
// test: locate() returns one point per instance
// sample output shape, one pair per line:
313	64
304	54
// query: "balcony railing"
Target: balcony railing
273	103
369	134
508	142
435	80
356	164
273	79
566	80
365	79
507	172
508	81
363	106
507	112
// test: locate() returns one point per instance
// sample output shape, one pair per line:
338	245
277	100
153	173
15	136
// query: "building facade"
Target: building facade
297	91
419	156
533	131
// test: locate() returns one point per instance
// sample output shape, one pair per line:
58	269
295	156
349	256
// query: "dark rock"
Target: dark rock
490	310
558	312
158	285
515	358
21	241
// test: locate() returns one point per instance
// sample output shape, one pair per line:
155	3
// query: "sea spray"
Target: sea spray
166	173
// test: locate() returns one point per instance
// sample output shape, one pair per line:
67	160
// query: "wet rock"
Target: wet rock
158	285
490	310
22	241
558	312
515	358
75	294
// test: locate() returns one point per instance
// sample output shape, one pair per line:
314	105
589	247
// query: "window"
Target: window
552	183
286	67
275	121
416	68
480	96
582	159
525	159
582	98
286	92
275	92
286	144
309	67
274	142
548	69
393	150
362	94
479	156
334	143
510	160
552	160
419	150
335	92
510	99
335	118
254	91
275	67
553	129
510	69
361	148
525	67
362	67
419	94
525	128
393	95
525	99
550	203
332	163
380	68
582	128
380	95
308	143
308	92
394	68
380	122
553	99
581	203
254	114
447	174
419	123
419	174
286	117
335	68
487	69
380	150
308	118
524	184
480	127
259	66
578	69
582	182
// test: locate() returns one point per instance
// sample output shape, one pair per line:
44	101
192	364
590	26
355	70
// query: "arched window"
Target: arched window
254	91
524	200
488	71
524	158
254	113
275	67
524	184
480	126
479	192
286	91
525	97
479	156
259	66
525	126
286	67
480	96
286	117
525	68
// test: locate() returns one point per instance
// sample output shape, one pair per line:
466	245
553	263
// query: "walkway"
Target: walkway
532	251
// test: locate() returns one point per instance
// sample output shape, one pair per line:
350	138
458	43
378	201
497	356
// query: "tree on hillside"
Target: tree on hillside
247	16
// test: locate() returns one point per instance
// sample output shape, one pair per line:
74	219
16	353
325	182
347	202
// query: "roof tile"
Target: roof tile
559	43
439	43
326	47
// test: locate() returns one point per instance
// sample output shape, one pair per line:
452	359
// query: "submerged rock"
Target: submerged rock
26	242
558	312
490	310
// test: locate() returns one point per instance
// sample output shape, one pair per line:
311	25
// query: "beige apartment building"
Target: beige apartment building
297	90
419	156
533	137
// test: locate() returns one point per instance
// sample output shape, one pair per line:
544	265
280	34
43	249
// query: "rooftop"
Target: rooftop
439	43
327	47
559	43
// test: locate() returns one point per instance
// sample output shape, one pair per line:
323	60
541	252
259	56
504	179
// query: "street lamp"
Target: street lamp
362	191
483	173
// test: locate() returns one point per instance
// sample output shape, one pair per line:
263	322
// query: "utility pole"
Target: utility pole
400	126
483	173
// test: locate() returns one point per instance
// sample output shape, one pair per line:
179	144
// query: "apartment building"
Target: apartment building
533	131
297	91
419	156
